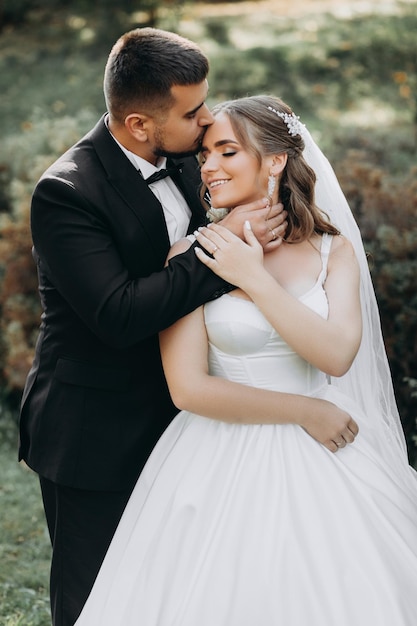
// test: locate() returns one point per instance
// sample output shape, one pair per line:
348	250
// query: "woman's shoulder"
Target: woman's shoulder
342	254
341	245
180	246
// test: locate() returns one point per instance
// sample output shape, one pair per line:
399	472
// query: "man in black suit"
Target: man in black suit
96	401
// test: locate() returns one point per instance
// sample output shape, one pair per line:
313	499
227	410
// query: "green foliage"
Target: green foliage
24	157
24	544
54	62
351	72
18	11
384	201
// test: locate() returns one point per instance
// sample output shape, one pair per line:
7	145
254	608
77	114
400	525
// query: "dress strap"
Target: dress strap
326	244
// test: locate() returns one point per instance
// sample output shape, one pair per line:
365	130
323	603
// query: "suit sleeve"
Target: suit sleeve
77	257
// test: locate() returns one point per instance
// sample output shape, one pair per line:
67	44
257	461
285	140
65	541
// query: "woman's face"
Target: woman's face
232	175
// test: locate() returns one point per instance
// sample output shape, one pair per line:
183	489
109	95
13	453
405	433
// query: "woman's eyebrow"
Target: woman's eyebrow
222	142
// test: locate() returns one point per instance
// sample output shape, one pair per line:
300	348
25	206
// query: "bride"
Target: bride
240	518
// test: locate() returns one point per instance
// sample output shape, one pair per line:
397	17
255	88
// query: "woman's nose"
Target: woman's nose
209	164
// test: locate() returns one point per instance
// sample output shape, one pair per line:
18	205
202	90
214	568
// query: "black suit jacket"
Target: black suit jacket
96	400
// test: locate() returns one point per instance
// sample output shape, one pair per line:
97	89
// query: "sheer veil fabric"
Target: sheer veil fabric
369	379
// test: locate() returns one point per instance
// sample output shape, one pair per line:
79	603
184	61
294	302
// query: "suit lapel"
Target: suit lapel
131	187
189	183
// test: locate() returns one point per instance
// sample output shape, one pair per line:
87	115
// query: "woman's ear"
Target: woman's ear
137	125
279	161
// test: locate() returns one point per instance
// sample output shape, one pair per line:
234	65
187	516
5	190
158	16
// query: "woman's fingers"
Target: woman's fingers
330	445
249	235
207	260
332	427
210	242
353	427
346	436
216	230
213	238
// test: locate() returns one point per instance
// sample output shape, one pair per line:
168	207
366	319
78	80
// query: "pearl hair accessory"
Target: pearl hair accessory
295	127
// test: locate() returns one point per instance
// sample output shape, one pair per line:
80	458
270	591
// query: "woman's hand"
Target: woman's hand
330	425
236	261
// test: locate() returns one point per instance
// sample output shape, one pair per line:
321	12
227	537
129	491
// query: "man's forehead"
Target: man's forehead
189	98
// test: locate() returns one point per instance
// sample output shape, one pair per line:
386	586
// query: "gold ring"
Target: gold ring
274	236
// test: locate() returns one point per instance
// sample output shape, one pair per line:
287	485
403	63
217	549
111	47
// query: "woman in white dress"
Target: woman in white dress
244	516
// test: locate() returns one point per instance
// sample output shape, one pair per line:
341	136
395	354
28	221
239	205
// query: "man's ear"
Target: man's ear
137	125
279	161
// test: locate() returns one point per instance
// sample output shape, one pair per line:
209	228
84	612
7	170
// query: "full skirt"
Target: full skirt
261	525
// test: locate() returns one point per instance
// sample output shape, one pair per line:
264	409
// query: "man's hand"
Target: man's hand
268	223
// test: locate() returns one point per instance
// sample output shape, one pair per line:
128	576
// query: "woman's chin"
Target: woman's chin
217	203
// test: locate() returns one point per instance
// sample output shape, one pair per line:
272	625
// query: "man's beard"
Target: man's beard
159	149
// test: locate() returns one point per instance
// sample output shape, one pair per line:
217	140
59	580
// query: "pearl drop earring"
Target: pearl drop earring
272	181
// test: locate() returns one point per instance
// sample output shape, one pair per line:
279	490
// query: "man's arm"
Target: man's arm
79	255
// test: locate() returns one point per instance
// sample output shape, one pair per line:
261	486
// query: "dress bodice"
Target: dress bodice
245	348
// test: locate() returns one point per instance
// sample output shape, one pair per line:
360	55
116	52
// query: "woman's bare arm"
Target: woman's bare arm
329	344
184	349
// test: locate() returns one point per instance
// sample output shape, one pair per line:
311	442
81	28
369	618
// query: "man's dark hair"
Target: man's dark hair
142	67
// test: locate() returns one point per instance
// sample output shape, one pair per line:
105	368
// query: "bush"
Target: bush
23	159
385	206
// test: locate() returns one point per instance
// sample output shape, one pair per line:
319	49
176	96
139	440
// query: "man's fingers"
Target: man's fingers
257	205
273	244
278	223
276	211
277	226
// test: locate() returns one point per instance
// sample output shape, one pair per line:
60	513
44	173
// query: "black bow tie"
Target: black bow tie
163	173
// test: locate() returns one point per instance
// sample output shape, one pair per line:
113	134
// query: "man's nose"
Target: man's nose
205	118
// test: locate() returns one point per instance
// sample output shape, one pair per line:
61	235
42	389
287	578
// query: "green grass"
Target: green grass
24	543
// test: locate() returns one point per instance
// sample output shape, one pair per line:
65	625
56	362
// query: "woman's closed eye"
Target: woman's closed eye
203	156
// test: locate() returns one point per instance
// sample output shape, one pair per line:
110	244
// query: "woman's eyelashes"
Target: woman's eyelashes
203	156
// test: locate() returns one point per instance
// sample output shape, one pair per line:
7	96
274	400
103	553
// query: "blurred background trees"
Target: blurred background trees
349	69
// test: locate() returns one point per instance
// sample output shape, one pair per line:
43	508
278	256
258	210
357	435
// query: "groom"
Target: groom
95	400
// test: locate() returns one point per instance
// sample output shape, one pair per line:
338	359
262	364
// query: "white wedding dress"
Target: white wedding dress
261	525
